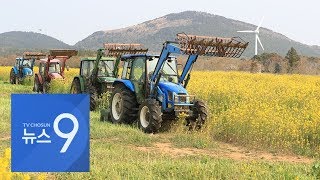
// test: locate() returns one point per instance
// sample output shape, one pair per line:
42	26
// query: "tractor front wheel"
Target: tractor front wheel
123	105
199	116
150	116
12	77
92	91
46	87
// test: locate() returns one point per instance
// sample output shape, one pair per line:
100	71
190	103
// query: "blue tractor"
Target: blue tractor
152	91
24	67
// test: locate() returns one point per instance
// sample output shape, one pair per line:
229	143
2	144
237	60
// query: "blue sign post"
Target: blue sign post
50	133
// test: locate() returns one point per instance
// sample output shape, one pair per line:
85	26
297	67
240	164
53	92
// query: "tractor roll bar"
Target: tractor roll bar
118	49
211	46
33	55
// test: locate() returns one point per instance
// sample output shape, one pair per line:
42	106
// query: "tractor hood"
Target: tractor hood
106	79
55	76
27	71
172	87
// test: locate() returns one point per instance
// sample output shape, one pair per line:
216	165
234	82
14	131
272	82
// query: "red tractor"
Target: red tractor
52	68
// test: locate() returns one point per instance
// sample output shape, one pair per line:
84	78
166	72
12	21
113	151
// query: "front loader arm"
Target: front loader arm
95	70
186	70
167	49
116	67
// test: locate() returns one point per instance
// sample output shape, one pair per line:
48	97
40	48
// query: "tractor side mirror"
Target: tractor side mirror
67	68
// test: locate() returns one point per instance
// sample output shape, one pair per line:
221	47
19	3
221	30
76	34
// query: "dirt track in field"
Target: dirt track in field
5	138
225	150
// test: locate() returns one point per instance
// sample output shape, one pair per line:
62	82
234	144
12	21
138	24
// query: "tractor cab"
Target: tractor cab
21	62
105	68
54	69
139	69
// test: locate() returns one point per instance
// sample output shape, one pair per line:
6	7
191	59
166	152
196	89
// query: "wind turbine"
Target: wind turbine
257	39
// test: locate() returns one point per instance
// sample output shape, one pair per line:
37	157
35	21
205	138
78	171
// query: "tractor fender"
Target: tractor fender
15	70
39	77
81	80
125	82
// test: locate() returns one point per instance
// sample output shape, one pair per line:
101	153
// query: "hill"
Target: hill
154	32
16	41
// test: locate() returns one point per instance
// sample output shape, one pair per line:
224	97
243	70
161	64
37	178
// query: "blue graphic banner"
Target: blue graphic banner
50	132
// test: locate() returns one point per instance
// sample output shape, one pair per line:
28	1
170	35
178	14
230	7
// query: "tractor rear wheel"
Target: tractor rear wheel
12	77
150	116
75	87
199	117
123	105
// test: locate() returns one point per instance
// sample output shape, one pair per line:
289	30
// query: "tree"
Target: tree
277	68
293	59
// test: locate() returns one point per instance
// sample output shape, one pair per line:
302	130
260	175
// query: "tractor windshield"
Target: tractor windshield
105	68
169	71
54	68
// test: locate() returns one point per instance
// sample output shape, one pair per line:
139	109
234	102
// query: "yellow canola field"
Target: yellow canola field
277	112
6	174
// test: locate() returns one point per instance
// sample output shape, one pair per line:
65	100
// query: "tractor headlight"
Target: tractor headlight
176	98
187	99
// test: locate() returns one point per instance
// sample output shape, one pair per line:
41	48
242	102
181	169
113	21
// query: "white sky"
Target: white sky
73	20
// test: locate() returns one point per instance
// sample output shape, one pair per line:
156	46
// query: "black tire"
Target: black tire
199	117
75	87
127	105
93	100
45	87
13	78
150	116
36	85
168	120
90	89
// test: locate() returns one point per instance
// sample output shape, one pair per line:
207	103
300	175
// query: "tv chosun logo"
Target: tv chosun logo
53	137
68	136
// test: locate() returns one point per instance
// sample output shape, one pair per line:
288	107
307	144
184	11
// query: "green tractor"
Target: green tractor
97	74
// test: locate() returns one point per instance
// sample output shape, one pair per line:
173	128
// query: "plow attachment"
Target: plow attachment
211	46
33	55
63	53
116	49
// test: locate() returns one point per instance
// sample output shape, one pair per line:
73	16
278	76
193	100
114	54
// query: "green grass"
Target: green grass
115	153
